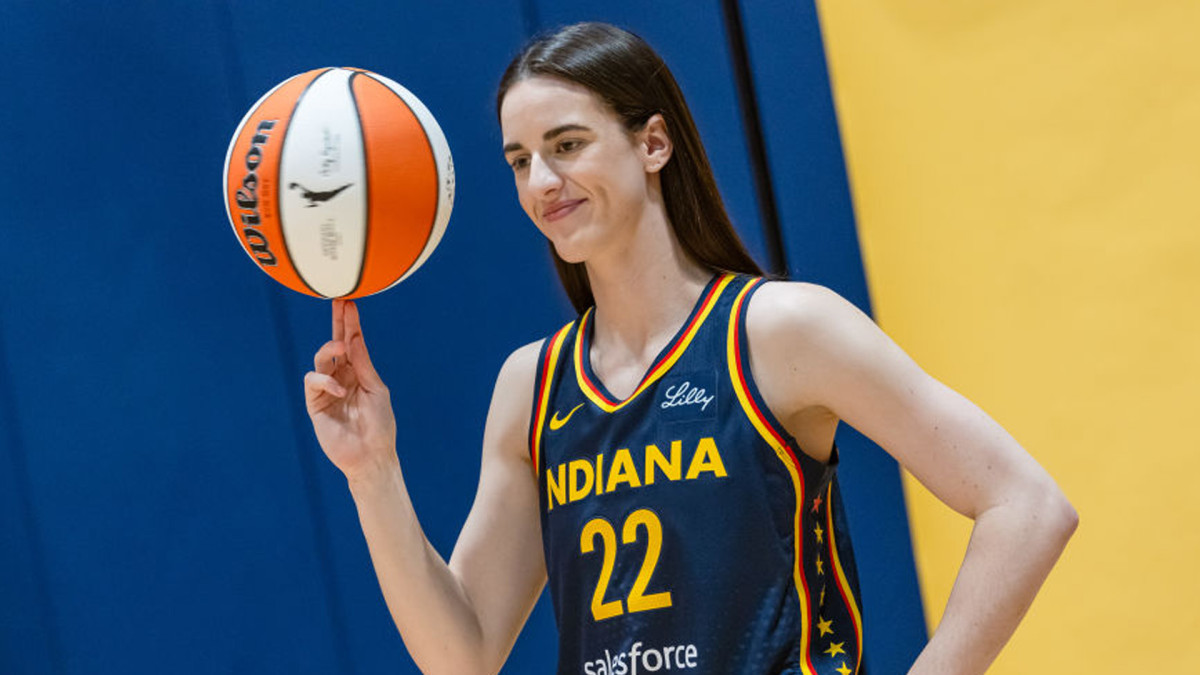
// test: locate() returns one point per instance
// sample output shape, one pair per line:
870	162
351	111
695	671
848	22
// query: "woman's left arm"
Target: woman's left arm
814	352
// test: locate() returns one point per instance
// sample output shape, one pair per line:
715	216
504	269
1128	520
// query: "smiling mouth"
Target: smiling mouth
561	210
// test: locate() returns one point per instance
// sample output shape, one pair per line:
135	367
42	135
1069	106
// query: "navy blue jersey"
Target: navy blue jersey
683	528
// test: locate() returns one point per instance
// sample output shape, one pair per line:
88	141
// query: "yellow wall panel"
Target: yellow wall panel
1026	179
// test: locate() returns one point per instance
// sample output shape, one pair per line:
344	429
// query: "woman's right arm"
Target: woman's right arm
461	617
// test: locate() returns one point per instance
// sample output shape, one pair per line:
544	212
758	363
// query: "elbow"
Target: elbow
457	664
1068	517
450	658
1058	515
1039	509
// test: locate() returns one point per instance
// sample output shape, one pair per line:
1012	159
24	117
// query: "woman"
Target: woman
667	459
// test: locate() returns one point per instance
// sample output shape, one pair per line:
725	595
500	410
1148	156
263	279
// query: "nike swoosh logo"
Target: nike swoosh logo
556	424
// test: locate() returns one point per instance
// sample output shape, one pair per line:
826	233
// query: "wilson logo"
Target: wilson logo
247	196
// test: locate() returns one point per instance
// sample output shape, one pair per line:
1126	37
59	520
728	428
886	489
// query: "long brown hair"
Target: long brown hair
632	79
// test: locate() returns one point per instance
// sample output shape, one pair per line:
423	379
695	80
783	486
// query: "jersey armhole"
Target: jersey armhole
748	395
548	359
803	468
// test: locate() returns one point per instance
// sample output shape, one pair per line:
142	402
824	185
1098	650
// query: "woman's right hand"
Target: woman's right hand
348	403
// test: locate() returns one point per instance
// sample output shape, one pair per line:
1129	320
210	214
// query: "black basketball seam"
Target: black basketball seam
362	136
278	188
433	155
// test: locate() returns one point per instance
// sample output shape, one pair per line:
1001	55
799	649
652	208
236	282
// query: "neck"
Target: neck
644	291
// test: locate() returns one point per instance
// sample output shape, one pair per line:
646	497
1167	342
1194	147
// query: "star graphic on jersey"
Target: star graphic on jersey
825	626
844	670
822	601
835	648
820	534
816	503
820	565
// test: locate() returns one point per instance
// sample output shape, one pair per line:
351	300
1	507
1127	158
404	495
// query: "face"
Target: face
581	178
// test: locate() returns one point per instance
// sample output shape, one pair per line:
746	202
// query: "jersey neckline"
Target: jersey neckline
595	390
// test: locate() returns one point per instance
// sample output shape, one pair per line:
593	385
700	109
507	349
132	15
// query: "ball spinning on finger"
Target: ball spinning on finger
339	183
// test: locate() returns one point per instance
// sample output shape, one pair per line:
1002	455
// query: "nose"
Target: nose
542	176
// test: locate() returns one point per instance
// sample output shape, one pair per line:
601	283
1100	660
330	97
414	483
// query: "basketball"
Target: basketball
338	183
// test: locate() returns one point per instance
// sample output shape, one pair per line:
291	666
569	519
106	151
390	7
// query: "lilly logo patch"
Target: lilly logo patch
689	396
685	393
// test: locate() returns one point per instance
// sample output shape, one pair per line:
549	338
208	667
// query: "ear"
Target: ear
654	143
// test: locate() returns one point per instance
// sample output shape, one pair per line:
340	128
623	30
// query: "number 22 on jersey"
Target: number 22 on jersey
638	600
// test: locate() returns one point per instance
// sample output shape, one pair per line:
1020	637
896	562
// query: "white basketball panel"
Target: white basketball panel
323	188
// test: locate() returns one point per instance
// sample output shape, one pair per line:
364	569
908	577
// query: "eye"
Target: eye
519	162
570	145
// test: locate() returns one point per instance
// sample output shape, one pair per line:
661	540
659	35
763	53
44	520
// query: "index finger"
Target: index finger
350	322
339	323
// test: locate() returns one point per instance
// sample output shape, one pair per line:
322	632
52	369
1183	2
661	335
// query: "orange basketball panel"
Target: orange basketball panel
402	184
253	199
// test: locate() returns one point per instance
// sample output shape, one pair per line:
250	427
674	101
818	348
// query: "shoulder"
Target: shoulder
519	370
787	311
512	400
804	340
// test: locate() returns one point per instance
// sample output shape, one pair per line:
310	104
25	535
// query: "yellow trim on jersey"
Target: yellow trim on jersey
759	423
843	583
543	394
660	368
789	462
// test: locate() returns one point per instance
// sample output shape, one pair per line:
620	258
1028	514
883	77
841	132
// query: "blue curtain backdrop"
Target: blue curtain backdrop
164	506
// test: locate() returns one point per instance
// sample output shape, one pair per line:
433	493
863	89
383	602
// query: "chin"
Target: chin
569	253
571	245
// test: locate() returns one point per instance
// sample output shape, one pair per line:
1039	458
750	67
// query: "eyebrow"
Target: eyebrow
561	129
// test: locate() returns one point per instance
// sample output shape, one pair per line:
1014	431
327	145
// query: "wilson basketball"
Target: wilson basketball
339	183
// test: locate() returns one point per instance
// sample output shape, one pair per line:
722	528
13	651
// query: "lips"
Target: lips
560	210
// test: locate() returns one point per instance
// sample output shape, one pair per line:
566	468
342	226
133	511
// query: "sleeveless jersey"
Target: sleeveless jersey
683	528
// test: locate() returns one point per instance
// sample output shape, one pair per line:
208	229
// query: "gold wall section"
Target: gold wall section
1026	179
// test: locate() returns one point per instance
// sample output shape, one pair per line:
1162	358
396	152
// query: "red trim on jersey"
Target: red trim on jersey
684	338
839	576
765	424
543	394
